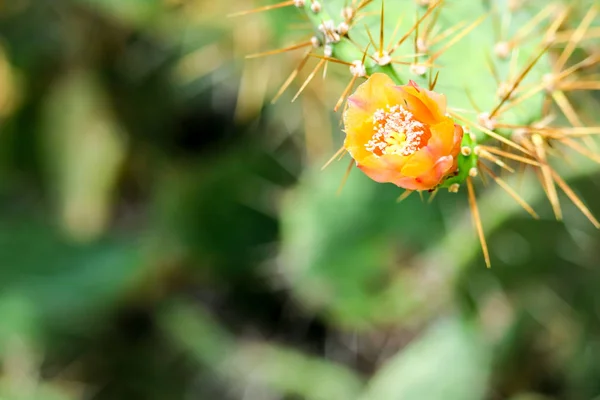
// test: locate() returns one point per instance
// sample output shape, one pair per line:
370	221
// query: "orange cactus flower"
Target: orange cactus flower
401	134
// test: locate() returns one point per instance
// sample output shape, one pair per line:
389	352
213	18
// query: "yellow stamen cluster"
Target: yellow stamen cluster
396	132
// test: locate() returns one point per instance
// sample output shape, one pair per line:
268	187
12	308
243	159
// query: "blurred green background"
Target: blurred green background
166	232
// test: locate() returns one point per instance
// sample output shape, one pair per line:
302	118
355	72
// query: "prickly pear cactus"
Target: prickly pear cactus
438	94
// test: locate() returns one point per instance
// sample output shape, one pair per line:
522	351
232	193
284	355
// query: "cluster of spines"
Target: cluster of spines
497	142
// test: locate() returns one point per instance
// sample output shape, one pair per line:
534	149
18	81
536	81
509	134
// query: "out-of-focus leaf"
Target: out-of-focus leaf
450	362
311	378
137	12
84	149
227	203
59	280
46	392
530	396
194	330
275	368
9	94
19	352
20	321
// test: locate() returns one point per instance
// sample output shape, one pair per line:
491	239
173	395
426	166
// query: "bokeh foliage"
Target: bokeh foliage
166	233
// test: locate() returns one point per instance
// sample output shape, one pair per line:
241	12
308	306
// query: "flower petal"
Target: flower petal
435	102
414	103
442	137
418	163
377	92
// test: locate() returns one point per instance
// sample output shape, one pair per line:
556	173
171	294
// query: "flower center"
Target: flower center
396	131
